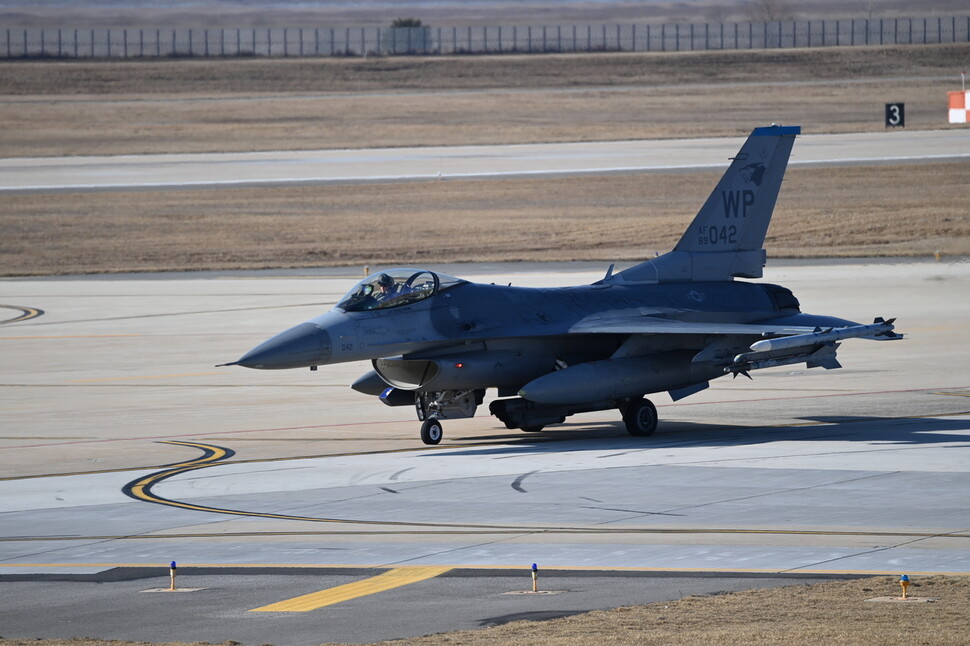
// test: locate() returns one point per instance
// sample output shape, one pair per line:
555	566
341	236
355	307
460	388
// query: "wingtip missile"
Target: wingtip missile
880	329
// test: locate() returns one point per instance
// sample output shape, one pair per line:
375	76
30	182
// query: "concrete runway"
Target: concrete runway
288	168
123	447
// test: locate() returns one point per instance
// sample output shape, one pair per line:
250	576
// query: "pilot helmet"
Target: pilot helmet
385	281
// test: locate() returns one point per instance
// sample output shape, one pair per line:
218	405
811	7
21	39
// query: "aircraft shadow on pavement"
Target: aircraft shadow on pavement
612	436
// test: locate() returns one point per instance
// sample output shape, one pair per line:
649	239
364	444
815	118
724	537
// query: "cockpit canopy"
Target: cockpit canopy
394	288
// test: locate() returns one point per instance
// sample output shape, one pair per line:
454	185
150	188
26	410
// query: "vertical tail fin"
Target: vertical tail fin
727	236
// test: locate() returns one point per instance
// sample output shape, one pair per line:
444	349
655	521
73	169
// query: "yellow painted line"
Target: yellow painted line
189	374
387	581
27	313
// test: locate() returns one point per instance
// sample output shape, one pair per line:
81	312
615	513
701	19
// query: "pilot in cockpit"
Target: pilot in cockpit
387	287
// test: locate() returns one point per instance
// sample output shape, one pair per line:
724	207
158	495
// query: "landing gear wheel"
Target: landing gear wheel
533	429
431	431
640	418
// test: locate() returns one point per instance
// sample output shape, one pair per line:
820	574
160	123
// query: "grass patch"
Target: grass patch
822	212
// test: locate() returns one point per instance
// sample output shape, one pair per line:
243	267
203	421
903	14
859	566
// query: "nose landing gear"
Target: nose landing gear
434	406
431	431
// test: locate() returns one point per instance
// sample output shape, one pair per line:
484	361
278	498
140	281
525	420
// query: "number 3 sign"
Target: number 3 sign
895	115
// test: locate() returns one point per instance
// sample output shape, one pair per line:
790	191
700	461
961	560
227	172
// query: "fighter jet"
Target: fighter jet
672	323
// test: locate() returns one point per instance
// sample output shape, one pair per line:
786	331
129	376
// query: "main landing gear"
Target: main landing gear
640	417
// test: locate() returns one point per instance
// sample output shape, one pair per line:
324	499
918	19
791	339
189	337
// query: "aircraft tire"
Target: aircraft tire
431	431
533	429
640	418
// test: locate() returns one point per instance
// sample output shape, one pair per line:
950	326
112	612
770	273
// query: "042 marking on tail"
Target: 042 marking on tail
672	323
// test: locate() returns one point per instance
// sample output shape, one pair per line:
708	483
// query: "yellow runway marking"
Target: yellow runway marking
27	313
387	581
190	374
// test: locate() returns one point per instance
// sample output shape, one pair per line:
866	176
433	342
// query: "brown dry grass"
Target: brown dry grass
826	613
86	108
79	107
846	211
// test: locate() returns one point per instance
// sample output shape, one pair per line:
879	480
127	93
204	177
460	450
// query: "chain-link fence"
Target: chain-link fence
371	41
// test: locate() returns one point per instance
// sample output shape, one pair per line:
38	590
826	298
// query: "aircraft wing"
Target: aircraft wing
657	325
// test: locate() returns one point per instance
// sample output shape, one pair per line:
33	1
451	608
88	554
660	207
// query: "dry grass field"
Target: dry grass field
852	211
120	107
93	108
827	613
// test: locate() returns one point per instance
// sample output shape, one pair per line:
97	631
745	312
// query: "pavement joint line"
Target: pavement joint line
190	374
389	580
501	530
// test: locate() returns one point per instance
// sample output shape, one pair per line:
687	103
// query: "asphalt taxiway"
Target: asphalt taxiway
122	449
316	167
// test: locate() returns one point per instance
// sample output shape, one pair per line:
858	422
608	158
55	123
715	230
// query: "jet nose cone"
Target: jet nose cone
299	347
